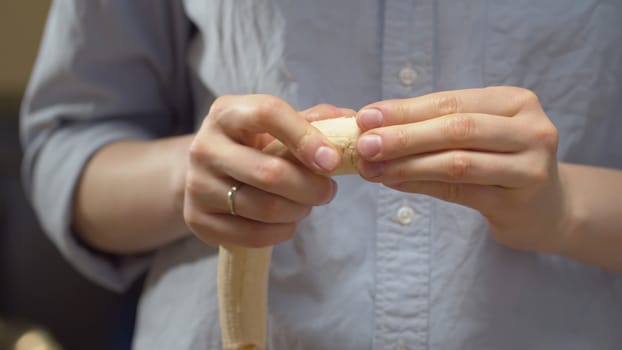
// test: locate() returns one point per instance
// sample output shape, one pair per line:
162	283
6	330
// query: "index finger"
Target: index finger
498	100
269	114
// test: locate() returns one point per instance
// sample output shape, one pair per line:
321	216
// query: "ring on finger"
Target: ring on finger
230	197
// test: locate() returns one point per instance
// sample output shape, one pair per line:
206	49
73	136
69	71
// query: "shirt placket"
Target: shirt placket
402	245
408	48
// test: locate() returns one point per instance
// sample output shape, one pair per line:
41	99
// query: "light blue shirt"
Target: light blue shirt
376	268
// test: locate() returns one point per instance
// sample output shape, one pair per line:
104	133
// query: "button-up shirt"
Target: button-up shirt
376	268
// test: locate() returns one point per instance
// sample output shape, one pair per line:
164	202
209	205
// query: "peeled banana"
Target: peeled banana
243	272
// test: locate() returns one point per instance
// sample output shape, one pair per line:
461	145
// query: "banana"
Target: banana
243	272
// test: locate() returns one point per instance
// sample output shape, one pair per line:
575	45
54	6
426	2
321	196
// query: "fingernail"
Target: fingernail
326	158
372	169
334	194
370	118
369	145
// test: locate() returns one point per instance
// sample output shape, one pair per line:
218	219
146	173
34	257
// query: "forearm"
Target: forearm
129	198
594	228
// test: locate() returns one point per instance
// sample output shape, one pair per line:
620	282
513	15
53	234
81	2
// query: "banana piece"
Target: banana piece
341	132
242	296
243	272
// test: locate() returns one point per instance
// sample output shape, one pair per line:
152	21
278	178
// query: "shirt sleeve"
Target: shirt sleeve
106	71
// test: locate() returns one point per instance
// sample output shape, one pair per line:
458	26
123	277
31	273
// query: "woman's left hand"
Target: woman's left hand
491	149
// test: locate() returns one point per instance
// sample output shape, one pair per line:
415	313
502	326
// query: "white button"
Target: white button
408	76
405	215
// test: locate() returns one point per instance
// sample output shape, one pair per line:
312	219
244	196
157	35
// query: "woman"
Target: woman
468	228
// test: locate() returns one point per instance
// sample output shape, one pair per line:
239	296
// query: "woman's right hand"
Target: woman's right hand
273	194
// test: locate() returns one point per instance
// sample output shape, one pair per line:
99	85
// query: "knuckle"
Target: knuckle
547	136
448	104
539	173
304	140
218	107
402	138
267	109
459	166
525	97
270	173
460	128
198	152
400	111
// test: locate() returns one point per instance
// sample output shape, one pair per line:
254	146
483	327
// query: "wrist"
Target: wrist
174	152
589	229
573	215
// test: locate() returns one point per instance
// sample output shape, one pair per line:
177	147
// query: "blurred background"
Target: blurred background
38	289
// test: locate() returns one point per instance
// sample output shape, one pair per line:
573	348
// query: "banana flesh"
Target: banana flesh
243	272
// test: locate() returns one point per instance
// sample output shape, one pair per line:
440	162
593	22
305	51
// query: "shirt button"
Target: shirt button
408	76
405	215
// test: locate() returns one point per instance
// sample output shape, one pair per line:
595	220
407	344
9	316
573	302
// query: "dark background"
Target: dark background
37	287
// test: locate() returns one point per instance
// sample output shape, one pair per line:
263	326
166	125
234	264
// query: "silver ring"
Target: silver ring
230	196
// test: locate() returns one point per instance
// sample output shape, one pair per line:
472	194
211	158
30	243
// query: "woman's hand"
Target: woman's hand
491	149
273	194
